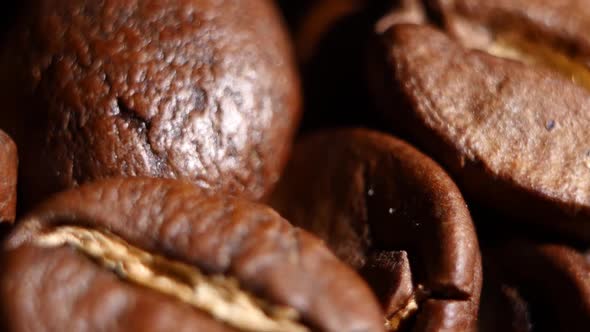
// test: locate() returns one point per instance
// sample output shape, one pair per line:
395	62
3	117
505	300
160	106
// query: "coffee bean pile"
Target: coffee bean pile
295	165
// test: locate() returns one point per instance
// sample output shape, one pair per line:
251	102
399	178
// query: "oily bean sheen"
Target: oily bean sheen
535	287
394	215
8	175
160	255
512	133
201	90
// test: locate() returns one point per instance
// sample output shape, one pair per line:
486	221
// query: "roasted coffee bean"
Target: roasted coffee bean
200	90
160	255
394	215
8	176
512	134
543	32
535	287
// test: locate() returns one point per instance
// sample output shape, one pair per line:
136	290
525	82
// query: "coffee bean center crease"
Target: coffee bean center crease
218	295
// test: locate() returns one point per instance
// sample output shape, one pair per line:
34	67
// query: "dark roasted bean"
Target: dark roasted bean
205	91
160	255
512	132
394	215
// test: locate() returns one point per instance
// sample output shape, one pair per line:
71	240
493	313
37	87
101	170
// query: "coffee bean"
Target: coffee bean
160	255
513	134
8	178
205	91
393	214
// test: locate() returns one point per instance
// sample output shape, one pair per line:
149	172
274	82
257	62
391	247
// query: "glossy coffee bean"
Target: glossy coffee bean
205	91
160	255
394	215
512	133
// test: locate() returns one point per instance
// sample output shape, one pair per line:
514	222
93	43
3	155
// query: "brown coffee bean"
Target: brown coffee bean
512	134
535	287
559	27
200	90
8	175
159	255
393	214
539	32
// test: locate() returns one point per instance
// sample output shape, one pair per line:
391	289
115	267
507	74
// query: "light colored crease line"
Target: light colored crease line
218	295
